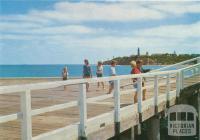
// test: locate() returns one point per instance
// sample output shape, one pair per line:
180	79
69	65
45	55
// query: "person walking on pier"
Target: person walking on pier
87	72
112	73
99	73
136	69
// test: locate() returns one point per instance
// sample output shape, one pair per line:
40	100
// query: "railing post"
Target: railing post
83	112
168	88
199	111
198	60
195	70
139	98
156	87
177	86
182	80
139	95
198	69
198	66
117	107
26	121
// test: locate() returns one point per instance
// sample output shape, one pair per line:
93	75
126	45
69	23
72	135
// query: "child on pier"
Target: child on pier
100	73
112	73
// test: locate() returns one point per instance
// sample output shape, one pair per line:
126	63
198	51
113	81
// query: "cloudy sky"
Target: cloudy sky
57	31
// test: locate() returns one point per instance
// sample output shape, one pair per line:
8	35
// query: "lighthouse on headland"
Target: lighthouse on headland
138	52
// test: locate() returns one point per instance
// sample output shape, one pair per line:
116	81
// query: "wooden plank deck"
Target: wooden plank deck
46	122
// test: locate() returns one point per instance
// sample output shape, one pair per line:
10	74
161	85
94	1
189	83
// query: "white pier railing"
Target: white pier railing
85	126
180	64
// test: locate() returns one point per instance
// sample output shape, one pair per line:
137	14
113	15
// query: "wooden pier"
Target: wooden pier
45	111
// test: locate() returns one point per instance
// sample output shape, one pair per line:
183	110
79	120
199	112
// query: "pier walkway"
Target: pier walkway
45	111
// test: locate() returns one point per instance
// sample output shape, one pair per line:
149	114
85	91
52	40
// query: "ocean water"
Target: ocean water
75	70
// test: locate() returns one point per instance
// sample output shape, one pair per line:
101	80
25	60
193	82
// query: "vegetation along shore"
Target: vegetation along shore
154	59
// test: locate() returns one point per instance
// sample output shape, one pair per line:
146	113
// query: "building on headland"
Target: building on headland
174	52
138	52
147	55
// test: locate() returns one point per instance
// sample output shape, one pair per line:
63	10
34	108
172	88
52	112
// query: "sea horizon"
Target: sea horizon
55	70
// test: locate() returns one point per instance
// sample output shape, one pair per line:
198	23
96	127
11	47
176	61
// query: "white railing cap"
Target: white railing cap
54	84
180	63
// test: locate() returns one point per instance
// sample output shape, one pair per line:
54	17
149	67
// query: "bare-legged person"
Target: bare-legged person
143	96
65	75
136	69
87	87
111	86
102	84
87	72
99	73
112	73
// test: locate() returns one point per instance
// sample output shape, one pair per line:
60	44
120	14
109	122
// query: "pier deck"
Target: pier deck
57	119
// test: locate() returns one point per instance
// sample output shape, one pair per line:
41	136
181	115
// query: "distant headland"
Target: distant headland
154	59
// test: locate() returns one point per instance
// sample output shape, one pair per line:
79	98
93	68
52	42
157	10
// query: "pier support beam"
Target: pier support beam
168	89
139	99
153	131
132	133
117	108
178	82
199	111
156	89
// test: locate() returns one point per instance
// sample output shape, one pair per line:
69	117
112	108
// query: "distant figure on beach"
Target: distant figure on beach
136	69
87	72
65	74
112	73
99	73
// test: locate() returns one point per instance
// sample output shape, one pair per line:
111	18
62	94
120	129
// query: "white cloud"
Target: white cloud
172	31
32	28
118	11
88	11
68	17
103	11
163	36
176	7
63	27
15	26
168	37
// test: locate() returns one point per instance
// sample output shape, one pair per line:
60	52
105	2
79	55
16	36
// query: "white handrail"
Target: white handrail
47	85
189	67
180	63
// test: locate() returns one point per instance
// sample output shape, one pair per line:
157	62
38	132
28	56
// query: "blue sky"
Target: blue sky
60	32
